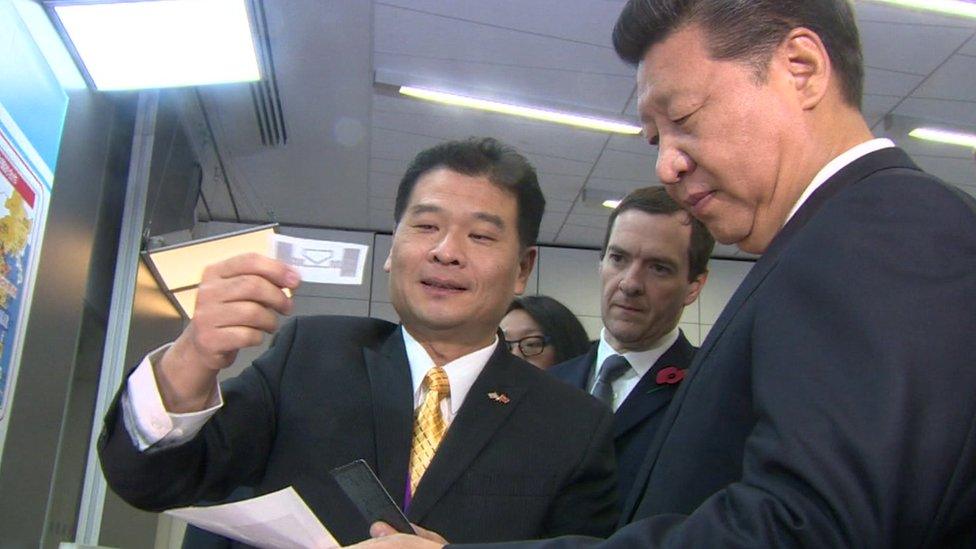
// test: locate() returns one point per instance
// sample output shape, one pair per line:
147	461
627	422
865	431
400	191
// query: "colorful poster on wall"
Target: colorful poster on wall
23	204
33	104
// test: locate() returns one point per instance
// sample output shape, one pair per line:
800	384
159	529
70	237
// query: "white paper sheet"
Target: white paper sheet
322	261
279	520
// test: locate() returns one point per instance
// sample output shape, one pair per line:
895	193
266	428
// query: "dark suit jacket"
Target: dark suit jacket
335	389
833	403
638	417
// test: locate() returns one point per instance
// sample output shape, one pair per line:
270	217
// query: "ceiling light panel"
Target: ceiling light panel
947	137
533	113
161	43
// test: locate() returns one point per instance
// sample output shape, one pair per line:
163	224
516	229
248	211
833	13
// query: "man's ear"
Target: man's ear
525	265
695	288
805	57
389	256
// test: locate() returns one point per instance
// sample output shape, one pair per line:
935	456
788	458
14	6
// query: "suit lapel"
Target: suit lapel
848	175
648	397
476	423
392	394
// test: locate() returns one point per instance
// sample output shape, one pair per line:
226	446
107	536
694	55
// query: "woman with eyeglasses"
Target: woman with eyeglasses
543	331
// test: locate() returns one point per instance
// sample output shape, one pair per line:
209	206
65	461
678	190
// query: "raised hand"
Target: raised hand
238	301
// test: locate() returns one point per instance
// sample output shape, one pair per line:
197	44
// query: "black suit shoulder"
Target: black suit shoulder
576	371
554	392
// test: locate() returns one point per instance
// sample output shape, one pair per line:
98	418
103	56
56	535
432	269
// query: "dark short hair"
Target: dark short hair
488	157
655	201
565	332
747	30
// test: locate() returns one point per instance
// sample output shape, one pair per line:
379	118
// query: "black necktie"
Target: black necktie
613	367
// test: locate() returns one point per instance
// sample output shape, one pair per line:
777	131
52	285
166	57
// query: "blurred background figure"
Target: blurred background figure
543	331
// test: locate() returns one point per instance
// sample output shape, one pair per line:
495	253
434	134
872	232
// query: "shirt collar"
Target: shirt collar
640	361
461	372
836	165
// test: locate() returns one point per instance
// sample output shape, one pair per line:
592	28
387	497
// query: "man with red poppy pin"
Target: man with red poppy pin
652	265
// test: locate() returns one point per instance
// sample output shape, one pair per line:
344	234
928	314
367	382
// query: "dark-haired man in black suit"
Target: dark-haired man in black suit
652	265
833	403
332	390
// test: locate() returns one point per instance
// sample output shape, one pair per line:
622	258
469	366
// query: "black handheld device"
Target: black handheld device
359	482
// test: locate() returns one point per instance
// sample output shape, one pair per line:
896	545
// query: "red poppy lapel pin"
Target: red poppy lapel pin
499	397
670	375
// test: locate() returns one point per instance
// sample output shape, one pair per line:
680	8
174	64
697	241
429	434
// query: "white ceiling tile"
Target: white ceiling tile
957	171
969	48
558	206
424	35
551	222
546	237
381	220
383	185
553	88
382	203
397	145
634	144
389	166
916	49
619	186
589	213
552	166
624	165
596	221
558	186
879	103
631	108
576	235
579	20
875	107
956	79
444	122
947	112
874	12
886	82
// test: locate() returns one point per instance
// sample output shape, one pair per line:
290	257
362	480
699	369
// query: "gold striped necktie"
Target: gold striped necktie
429	427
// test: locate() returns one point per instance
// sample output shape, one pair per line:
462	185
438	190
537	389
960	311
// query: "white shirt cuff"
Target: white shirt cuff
146	418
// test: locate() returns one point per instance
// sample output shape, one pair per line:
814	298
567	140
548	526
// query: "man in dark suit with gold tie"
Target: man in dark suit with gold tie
653	264
833	403
440	409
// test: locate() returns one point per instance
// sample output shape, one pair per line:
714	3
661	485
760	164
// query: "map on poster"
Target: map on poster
22	203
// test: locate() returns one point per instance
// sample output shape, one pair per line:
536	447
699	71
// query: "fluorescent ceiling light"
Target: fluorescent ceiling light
545	115
161	43
612	204
944	136
948	7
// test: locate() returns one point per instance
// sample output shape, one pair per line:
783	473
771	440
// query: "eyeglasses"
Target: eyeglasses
529	345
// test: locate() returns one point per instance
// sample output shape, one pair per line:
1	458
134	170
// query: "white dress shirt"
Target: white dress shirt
836	165
461	373
149	423
640	363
